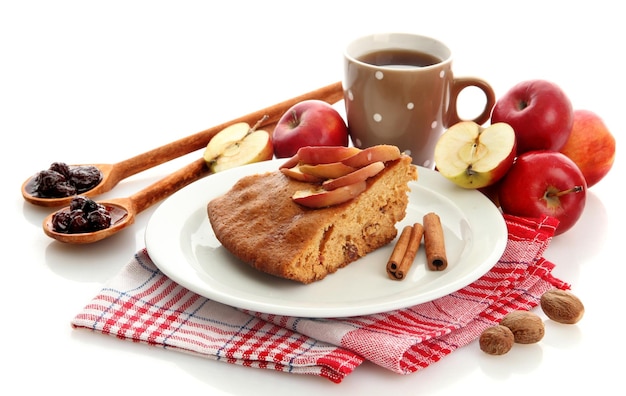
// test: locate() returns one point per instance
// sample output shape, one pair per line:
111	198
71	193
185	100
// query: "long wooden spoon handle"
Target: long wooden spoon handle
331	93
170	184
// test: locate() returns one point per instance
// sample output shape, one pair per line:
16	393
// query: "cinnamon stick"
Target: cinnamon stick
409	256
398	252
404	252
434	243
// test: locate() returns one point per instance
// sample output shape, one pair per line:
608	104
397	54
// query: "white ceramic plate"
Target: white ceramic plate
181	242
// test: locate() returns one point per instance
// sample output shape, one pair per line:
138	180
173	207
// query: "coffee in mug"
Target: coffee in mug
399	89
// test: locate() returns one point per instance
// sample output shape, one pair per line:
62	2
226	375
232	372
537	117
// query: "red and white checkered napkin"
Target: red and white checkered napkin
143	305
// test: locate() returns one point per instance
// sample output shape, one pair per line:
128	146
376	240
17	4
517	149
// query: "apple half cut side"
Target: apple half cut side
473	156
317	198
224	138
237	145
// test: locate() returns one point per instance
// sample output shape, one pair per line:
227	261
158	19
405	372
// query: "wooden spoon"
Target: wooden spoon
124	210
112	174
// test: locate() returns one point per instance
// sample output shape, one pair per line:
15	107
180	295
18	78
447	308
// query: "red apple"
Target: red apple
309	123
591	146
544	183
472	156
540	113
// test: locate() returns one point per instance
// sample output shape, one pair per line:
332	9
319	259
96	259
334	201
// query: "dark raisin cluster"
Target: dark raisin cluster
62	180
83	215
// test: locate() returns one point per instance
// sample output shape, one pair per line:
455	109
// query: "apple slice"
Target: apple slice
358	175
291	162
475	157
296	173
314	155
319	198
332	170
237	145
379	153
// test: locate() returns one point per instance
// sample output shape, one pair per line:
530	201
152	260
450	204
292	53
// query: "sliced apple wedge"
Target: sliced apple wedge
379	153
332	170
237	145
475	157
296	173
317	198
358	175
314	155
291	162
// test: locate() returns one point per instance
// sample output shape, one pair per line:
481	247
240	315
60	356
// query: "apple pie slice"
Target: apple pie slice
260	221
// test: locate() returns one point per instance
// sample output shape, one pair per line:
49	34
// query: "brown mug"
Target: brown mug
399	89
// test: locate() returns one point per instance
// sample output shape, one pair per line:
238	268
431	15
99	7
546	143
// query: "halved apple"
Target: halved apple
237	145
358	175
472	156
332	170
224	138
378	153
317	198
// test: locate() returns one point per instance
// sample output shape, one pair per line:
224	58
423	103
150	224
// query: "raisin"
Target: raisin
78	202
78	222
61	167
350	252
52	184
61	221
99	220
89	206
83	215
84	178
61	180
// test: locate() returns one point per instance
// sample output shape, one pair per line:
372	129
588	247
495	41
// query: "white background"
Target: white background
89	82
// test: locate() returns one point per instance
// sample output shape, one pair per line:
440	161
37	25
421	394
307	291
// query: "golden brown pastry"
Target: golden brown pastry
258	221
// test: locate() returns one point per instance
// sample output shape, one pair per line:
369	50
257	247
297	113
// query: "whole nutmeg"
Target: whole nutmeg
496	340
526	326
562	306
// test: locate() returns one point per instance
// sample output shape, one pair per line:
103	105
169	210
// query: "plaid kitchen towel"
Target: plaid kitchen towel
143	305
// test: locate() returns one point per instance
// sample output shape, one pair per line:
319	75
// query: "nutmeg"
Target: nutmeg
562	306
527	327
496	340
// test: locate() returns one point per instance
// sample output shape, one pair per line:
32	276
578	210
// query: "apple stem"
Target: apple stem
258	124
575	189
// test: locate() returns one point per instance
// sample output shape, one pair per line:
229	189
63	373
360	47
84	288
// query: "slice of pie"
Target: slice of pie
259	221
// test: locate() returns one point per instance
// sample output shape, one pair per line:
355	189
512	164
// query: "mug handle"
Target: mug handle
459	85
